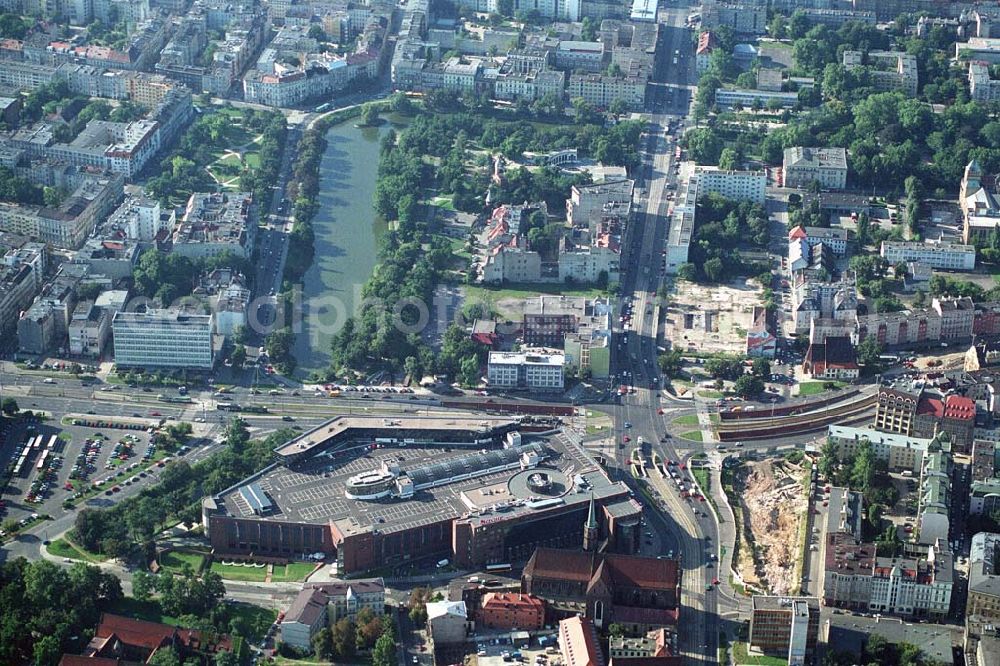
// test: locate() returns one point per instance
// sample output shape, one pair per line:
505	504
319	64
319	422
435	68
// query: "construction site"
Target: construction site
711	318
772	513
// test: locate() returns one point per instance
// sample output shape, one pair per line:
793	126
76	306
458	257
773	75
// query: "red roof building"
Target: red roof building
642	593
954	415
578	642
120	638
509	610
833	359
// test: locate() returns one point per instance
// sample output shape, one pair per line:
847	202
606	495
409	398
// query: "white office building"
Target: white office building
163	338
534	369
944	256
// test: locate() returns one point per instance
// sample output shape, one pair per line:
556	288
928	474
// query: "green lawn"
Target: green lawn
63	548
714	395
692	435
175	561
256	618
686	420
142	610
252	159
293	572
701	476
741	657
493	296
443	202
235	572
815	388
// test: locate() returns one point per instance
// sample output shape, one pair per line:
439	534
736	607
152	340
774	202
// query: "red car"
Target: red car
715	581
659	411
154	414
626	439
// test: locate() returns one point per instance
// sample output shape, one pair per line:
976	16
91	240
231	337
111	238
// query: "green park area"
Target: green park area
815	388
63	548
225	149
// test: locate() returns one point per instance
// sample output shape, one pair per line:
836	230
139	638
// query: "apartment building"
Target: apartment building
21	273
321	604
837	17
918	584
561	10
747	98
733	184
536	369
139	218
68	225
835	239
934	497
164	338
923	413
946	319
89	330
512	262
845	512
940	255
44	325
899	452
984	577
785	626
580	327
802	165
576	56
707	42
585	263
982	87
815	299
587	203
694	182
123	148
24	75
745	18
984	497
889	70
600	90
216	222
657	647
983	49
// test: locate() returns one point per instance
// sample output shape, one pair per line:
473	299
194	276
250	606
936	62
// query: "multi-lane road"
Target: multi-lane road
646	412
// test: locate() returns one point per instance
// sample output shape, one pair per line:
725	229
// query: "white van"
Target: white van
442	564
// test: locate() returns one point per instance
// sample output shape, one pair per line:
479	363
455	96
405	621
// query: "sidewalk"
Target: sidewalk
727	532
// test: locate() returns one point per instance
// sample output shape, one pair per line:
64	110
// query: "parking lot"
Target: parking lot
500	652
65	461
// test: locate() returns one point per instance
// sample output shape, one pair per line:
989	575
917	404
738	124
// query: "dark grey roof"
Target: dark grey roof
468	464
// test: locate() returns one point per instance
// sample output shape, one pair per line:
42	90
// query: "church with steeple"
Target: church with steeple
591	530
977	197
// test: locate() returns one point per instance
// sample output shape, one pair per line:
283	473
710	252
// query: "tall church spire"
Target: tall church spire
591	530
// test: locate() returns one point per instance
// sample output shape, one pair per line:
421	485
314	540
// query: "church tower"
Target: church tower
591	531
